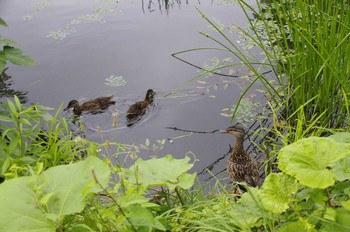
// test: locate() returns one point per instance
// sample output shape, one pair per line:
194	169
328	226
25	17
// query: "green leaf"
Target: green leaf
72	183
341	137
3	23
19	209
346	204
60	187
300	226
140	216
308	160
242	213
186	180
14	55
131	199
2	61
9	42
165	171
340	221
275	194
341	169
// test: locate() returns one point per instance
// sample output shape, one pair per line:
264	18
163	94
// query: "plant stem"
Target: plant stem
329	203
182	201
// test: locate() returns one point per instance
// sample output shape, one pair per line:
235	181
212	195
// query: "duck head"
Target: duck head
72	104
150	95
236	130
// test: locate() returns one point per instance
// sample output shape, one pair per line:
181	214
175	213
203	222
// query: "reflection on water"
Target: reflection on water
6	91
163	5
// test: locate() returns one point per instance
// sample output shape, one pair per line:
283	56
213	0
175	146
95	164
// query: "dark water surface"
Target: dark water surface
81	43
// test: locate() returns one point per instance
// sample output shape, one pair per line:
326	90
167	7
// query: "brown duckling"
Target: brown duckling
241	167
93	106
140	107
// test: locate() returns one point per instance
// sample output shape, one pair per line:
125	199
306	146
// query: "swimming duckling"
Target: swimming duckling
93	106
140	107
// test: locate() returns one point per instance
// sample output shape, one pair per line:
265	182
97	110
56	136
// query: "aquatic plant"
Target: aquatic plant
115	81
301	66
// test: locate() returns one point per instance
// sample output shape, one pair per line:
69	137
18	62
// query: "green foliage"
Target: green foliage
276	193
152	172
287	201
12	54
308	41
39	203
308	160
33	140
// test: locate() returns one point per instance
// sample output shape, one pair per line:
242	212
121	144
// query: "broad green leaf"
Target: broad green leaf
165	171
242	213
19	209
341	137
15	56
62	188
131	199
300	226
341	169
346	204
340	221
8	42
72	183
186	180
275	194
140	216
308	160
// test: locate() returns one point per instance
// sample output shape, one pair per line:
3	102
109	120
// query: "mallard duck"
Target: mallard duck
93	106
140	107
241	167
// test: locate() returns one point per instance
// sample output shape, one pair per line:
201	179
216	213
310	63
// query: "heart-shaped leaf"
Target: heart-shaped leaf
275	194
165	171
37	203
308	160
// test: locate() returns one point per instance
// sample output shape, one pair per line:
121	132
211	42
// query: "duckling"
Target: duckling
93	106
241	167
140	107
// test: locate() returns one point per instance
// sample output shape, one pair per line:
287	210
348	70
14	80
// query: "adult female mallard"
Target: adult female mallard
241	167
93	106
140	107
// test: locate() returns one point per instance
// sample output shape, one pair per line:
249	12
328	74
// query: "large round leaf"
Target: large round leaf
308	160
275	194
165	171
38	203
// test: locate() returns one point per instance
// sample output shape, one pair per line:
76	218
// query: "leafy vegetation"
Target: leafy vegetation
72	194
296	199
10	53
56	180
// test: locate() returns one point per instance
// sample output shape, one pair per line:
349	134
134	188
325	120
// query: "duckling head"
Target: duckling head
150	95
71	104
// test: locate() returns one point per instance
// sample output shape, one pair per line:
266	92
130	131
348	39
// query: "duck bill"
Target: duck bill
65	109
224	132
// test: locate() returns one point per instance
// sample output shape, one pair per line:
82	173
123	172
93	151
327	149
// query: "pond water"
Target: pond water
91	48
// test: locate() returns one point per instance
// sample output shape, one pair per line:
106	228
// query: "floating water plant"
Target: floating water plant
246	113
115	81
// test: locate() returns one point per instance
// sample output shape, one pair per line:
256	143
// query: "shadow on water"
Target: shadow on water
6	91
